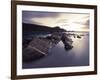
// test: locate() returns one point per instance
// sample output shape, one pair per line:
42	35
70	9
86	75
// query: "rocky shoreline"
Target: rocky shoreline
39	47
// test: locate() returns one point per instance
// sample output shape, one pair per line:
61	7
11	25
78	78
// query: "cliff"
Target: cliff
40	28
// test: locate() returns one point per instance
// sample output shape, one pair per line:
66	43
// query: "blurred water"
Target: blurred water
59	57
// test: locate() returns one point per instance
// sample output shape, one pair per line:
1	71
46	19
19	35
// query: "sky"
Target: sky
65	20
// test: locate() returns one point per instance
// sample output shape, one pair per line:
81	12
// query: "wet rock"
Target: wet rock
30	54
36	49
39	47
67	41
78	36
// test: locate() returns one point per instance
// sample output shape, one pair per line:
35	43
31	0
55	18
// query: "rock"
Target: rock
67	41
39	47
78	36
30	54
36	49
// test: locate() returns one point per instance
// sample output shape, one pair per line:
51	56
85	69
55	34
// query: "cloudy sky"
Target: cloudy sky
68	21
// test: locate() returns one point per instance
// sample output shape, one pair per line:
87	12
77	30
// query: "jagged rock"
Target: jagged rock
39	47
78	36
30	54
67	41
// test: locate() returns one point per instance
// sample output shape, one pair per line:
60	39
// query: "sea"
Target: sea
58	56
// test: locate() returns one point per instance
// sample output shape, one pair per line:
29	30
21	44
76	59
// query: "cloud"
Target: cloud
39	14
28	15
83	21
63	19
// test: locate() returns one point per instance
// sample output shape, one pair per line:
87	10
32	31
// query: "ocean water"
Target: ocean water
59	57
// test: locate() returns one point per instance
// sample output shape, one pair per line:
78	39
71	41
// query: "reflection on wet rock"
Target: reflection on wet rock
39	47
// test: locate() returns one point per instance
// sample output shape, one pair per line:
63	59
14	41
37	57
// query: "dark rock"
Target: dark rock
39	47
78	36
36	49
67	41
30	54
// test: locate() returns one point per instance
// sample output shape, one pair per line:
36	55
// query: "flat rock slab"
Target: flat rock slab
37	48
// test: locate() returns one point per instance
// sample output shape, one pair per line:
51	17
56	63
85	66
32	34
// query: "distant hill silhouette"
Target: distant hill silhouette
36	28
